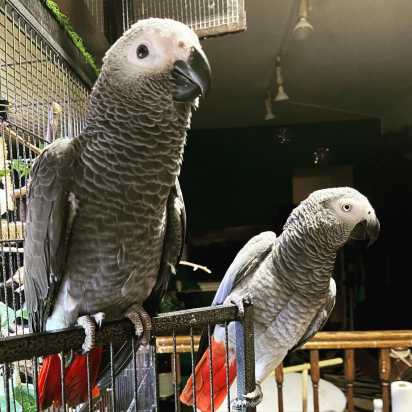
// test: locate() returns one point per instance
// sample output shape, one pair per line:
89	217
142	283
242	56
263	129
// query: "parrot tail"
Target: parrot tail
203	379
75	379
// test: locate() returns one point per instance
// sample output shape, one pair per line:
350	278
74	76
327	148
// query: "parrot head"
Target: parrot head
340	213
155	52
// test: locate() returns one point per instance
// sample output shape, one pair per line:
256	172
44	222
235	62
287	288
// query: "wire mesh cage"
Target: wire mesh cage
96	9
41	98
206	17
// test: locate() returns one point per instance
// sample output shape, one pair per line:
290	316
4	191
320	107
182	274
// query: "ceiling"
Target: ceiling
356	64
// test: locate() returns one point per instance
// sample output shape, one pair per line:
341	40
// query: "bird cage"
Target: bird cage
41	98
96	9
206	17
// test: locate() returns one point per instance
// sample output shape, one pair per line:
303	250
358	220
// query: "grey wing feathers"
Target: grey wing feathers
323	315
46	228
245	263
172	247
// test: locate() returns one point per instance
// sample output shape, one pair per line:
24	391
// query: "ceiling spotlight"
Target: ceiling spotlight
281	94
268	105
303	28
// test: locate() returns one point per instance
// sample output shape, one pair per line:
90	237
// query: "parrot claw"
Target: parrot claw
141	322
99	318
89	326
239	302
250	400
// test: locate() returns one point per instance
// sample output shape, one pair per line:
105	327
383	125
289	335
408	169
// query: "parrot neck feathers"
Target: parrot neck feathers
146	131
303	258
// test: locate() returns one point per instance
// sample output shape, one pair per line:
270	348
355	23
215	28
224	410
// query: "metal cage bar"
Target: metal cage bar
206	17
33	346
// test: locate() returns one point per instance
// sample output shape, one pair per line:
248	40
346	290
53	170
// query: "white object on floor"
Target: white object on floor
377	405
331	398
401	392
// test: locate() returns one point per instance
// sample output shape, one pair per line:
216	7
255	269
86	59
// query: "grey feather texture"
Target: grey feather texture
106	218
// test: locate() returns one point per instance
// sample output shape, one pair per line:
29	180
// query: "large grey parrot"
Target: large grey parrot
106	219
289	280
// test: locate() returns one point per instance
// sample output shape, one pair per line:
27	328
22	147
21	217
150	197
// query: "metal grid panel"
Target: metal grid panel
41	99
19	359
206	17
33	77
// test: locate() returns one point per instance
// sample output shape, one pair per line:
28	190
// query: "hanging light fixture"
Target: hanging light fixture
303	28
281	94
268	105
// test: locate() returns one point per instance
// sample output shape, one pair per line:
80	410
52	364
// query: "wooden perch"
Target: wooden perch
20	192
21	140
195	266
12	231
18	277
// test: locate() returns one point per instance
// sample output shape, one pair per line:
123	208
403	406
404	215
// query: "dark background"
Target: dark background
241	177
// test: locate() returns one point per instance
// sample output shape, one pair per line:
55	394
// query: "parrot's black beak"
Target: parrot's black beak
192	78
367	230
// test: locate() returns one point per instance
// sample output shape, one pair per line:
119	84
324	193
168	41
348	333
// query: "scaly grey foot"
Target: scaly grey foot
250	400
89	326
240	301
142	323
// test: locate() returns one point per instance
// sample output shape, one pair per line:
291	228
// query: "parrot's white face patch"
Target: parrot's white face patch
152	52
151	46
351	209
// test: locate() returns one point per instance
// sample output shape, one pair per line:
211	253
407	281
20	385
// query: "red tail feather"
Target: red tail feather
203	380
75	379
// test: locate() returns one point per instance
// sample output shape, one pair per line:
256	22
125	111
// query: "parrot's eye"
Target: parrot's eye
142	51
346	207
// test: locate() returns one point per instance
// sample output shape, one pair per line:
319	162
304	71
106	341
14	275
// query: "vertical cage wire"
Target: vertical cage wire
96	9
41	99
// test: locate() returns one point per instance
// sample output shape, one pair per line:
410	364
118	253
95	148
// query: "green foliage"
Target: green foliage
3	398
64	22
20	167
24	395
3	172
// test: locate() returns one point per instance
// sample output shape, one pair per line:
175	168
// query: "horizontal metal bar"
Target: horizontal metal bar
31	345
184	319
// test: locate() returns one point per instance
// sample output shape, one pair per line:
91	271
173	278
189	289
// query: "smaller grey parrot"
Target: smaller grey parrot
289	280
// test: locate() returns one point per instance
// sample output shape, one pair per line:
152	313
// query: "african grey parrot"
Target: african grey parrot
289	280
106	218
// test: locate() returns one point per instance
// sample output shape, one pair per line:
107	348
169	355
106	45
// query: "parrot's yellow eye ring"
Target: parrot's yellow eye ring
346	207
142	51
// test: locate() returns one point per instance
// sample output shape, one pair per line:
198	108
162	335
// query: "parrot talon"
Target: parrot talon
249	400
141	322
89	326
239	302
99	318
